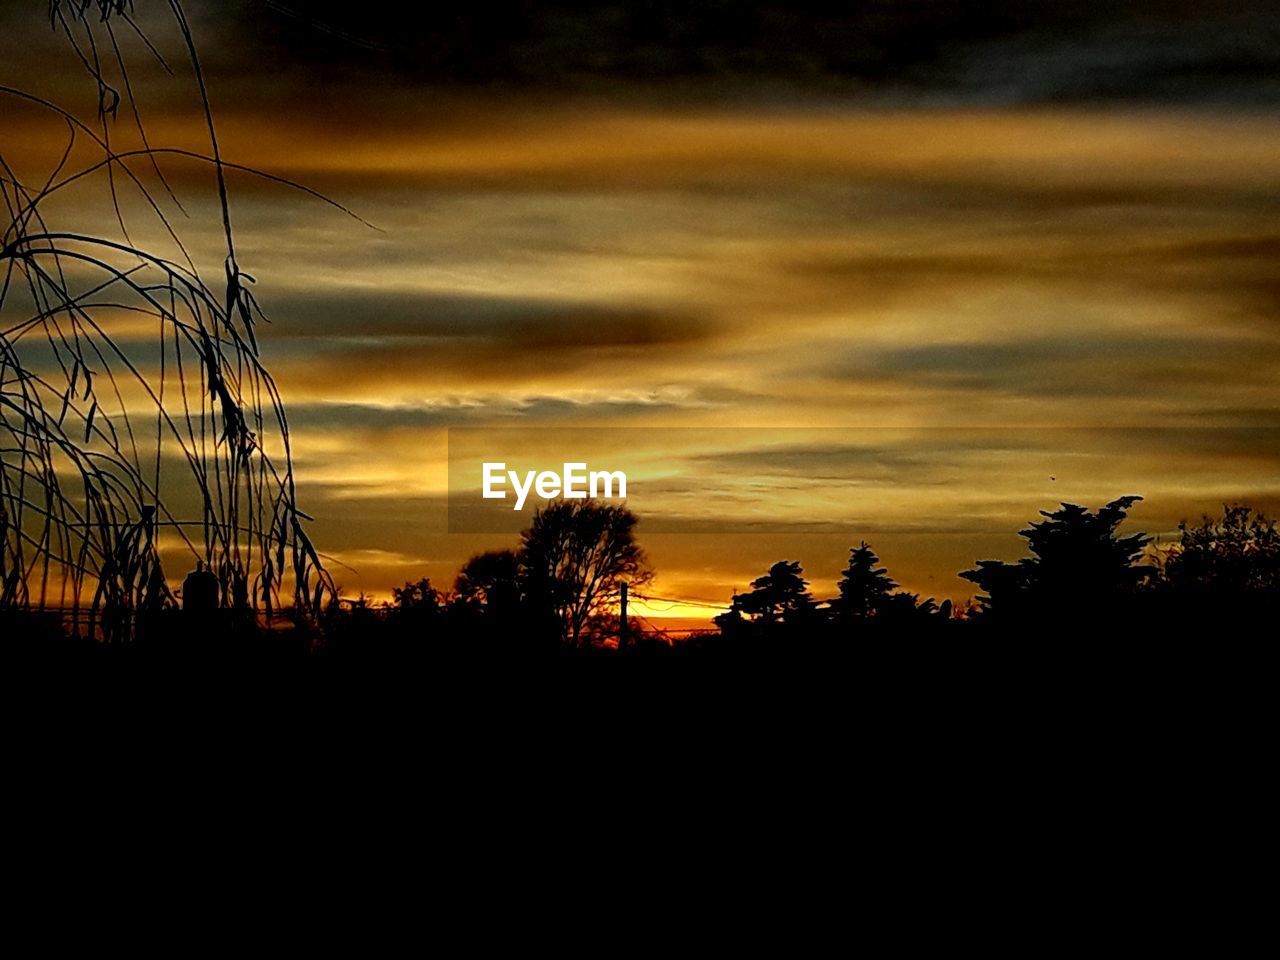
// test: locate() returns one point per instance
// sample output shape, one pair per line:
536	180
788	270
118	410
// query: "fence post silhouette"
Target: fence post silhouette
199	593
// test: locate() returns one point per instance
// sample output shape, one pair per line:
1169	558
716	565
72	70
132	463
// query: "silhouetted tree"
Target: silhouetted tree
863	586
1080	562
1236	555
489	583
731	622
416	596
489	608
575	556
780	596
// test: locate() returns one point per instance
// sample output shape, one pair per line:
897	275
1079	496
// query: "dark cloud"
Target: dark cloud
937	51
1005	51
417	342
1162	263
1078	365
518	322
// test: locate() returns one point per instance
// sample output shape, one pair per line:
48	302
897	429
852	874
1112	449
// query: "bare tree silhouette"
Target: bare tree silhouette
575	557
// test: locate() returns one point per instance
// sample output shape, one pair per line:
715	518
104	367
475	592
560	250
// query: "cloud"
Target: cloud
1084	364
473	410
845	463
524	323
944	50
1197	262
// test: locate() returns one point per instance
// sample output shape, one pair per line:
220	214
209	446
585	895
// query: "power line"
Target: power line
325	27
669	631
686	601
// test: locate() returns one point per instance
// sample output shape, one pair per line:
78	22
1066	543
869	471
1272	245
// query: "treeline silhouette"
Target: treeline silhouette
1082	580
558	594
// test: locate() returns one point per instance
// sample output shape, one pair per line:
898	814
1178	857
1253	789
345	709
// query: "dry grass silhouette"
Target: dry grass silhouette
113	450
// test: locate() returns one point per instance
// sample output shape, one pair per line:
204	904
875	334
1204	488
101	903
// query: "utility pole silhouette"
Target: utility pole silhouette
622	630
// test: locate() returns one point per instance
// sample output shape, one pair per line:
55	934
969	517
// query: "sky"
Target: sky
904	272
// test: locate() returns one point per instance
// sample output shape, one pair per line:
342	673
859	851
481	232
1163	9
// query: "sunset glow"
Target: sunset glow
920	321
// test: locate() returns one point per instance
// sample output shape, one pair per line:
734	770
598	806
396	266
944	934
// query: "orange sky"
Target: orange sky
977	278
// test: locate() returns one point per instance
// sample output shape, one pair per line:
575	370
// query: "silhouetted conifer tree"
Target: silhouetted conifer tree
1080	563
864	587
780	596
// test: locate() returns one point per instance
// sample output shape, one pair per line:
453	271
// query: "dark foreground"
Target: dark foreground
1105	638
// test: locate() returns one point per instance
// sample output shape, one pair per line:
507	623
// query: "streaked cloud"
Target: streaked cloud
1024	220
